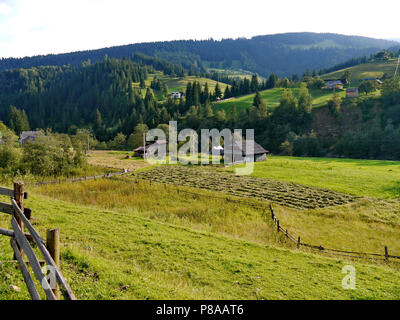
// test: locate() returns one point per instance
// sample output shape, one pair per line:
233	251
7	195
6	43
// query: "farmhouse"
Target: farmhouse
25	136
352	93
177	95
240	154
333	84
152	149
377	80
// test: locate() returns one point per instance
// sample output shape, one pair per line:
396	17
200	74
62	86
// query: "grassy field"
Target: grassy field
127	238
179	84
114	160
116	254
296	196
364	224
272	98
372	178
364	71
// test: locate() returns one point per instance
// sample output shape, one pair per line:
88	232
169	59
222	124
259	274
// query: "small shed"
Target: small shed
352	93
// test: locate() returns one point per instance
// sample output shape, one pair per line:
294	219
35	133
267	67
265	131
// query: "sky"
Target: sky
32	27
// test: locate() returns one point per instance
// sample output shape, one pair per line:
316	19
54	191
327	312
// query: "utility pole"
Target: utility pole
233	154
144	146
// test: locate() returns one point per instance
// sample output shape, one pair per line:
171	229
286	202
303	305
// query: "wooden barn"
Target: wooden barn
152	148
352	93
239	153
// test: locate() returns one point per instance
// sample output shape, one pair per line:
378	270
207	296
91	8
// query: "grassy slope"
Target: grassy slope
364	225
107	254
179	84
359	177
272	97
368	70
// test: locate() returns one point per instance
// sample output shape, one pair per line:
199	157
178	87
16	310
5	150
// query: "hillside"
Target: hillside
374	69
193	249
180	83
272	97
282	54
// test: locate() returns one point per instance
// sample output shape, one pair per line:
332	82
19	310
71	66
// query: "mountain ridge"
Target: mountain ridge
283	53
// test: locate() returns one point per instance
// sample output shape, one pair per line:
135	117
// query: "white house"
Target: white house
176	95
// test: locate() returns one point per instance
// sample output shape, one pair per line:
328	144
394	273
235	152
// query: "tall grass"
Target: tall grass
365	225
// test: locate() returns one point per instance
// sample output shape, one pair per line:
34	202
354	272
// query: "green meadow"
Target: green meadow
374	69
374	178
127	238
272	98
112	254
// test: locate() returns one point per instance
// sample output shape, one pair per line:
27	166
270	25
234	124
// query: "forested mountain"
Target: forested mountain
58	97
282	54
107	99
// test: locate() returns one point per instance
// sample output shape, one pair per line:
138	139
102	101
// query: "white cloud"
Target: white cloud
48	26
5	9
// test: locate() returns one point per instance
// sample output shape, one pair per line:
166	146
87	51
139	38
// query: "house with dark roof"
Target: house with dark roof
334	84
152	148
240	152
26	136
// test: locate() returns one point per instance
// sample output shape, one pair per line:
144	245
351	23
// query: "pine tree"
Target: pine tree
254	83
257	99
217	91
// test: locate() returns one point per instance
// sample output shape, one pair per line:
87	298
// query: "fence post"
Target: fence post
298	242
53	246
19	199
386	253
277	225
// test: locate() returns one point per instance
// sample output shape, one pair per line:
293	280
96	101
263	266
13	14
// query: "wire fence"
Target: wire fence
345	253
297	240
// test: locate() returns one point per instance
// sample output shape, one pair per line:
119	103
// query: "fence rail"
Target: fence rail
100	176
21	244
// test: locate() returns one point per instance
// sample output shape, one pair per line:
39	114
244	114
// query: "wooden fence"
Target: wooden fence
345	253
359	255
100	176
21	244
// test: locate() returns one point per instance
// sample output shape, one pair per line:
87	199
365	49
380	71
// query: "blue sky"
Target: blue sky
30	27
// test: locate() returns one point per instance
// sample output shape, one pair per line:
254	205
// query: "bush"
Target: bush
10	158
51	155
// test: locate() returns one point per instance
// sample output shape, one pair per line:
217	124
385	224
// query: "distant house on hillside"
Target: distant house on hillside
177	95
25	136
239	152
352	93
377	80
150	149
333	84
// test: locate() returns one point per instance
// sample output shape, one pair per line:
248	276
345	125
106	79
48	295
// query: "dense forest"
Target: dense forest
111	101
282	54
